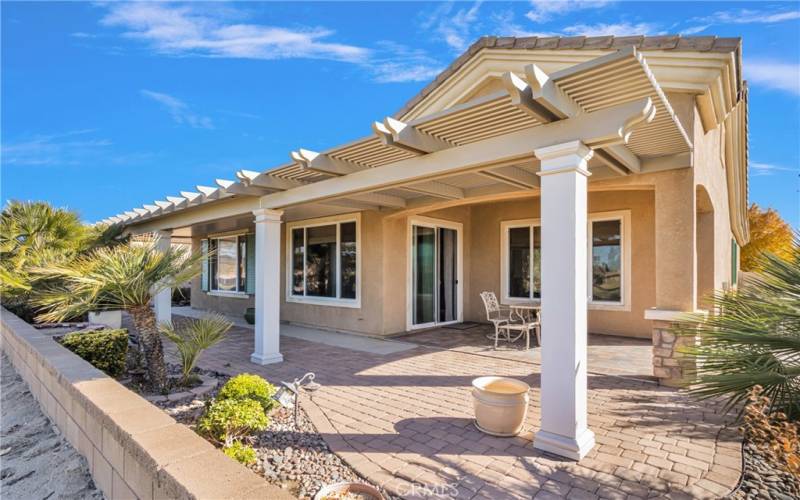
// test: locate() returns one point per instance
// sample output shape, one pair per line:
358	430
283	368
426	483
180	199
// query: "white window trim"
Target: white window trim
627	271
242	294
232	295
325	301
434	223
504	229
625	228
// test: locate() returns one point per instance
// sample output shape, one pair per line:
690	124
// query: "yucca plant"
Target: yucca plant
122	277
194	337
752	338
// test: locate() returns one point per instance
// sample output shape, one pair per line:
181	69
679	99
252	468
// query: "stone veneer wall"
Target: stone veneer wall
134	449
670	366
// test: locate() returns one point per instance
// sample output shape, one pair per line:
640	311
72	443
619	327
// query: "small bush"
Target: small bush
249	386
241	452
104	349
229	420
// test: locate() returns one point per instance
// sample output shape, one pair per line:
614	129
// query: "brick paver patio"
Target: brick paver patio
404	421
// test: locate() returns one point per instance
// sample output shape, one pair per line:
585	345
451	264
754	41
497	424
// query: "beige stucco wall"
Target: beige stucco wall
485	251
680	248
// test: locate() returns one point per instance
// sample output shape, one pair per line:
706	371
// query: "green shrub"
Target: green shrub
241	452
104	349
249	386
229	420
194	337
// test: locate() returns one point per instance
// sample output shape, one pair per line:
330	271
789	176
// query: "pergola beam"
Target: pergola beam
436	189
394	133
234	187
513	176
602	128
540	97
322	163
258	179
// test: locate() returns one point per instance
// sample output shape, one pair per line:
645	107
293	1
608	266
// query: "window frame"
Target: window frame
505	227
337	301
623	216
241	284
625	260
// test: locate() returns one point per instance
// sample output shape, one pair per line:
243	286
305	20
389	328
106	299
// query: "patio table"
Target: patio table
528	315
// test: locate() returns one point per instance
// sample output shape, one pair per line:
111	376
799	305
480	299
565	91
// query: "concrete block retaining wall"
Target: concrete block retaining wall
134	449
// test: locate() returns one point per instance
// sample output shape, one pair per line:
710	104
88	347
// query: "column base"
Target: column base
266	359
573	448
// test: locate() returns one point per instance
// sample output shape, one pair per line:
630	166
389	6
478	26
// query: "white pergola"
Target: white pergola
537	135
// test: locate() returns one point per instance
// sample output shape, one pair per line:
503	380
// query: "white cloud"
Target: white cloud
618	29
192	30
65	148
393	63
218	30
761	169
749	16
773	74
544	10
179	110
454	26
692	30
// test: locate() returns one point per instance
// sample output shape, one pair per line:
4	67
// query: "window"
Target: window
608	267
606	244
324	261
524	257
226	270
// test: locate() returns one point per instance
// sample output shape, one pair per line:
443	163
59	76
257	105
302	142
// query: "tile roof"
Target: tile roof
661	42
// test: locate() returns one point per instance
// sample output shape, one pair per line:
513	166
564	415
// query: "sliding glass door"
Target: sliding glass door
434	275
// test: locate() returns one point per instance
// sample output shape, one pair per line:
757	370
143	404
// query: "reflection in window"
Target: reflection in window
347	250
323	260
519	260
228	266
606	261
524	262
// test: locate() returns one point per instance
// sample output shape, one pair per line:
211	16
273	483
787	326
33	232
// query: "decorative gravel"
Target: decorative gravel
296	459
762	480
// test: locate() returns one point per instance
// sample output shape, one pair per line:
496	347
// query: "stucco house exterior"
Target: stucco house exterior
604	178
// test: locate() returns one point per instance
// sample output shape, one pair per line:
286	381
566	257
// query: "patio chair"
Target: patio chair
497	315
529	320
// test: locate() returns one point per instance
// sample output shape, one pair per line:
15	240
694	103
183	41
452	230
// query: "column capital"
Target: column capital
566	157
267	215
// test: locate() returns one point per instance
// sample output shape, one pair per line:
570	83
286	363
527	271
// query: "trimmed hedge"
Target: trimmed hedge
104	349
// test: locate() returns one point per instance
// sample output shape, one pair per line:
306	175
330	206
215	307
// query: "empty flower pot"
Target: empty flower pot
111	319
501	405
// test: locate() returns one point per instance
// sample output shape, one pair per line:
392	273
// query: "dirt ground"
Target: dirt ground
36	461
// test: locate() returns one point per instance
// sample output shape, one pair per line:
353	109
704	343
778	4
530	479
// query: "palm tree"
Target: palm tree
34	234
192	338
120	277
753	338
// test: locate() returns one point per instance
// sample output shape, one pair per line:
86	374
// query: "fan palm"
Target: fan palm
120	277
753	338
35	234
193	338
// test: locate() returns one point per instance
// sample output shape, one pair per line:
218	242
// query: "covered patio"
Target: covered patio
403	421
339	238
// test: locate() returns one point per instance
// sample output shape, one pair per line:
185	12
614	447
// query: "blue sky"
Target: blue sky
109	106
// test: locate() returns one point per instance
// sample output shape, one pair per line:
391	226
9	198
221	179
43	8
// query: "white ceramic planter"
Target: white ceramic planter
501	405
112	319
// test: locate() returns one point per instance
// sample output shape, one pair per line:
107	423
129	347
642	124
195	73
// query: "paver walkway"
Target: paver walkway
404	420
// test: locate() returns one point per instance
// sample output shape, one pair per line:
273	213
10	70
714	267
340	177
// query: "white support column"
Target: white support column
268	287
564	176
162	302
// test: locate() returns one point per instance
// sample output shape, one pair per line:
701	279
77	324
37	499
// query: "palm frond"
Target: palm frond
752	338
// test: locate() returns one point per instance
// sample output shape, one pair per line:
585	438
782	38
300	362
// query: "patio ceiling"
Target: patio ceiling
530	104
